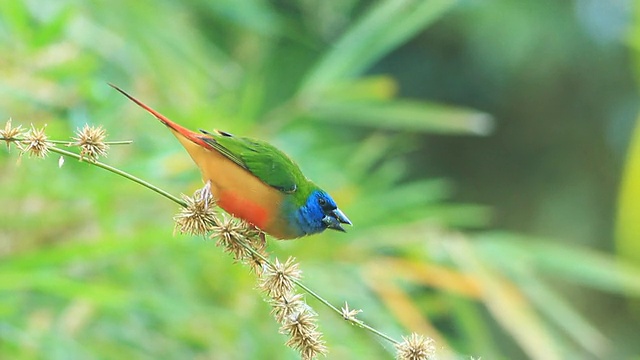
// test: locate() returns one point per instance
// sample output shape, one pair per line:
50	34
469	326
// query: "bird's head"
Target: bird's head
320	212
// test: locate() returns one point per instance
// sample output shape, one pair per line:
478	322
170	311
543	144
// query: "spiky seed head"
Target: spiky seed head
278	279
303	334
287	305
36	143
257	262
91	141
11	134
233	235
416	347
350	314
198	217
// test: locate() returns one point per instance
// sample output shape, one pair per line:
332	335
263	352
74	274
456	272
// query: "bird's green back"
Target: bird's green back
265	161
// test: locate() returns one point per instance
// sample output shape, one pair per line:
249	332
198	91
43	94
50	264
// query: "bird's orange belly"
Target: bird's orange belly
239	192
241	207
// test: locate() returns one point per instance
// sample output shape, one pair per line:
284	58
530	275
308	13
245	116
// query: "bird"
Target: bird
254	181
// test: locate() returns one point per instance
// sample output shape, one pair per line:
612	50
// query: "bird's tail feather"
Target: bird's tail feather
177	129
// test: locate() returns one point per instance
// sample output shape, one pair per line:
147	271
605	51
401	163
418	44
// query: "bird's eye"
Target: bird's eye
322	202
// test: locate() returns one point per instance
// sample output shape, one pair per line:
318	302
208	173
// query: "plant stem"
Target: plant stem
69	143
358	323
121	173
321	299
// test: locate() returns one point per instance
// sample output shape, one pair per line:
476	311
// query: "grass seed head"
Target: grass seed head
91	141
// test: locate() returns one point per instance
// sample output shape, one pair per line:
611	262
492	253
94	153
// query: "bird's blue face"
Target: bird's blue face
320	212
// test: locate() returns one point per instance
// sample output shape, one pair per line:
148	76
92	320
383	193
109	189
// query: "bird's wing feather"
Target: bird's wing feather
263	160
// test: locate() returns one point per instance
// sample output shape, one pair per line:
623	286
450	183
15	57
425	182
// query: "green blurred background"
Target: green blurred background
483	149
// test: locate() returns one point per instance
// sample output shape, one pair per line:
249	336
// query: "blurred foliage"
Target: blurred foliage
354	91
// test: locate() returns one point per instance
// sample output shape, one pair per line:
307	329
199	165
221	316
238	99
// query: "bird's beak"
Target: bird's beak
335	220
341	217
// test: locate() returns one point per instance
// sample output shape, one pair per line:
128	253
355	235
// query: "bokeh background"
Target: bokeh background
484	150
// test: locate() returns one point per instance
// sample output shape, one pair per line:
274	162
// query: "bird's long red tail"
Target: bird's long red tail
191	135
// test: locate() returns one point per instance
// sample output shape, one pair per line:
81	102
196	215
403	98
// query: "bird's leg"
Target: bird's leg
261	235
206	192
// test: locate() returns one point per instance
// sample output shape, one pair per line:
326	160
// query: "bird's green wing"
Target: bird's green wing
260	158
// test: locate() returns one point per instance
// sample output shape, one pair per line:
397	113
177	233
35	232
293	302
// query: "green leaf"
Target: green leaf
507	305
386	26
406	115
627	224
577	265
563	315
